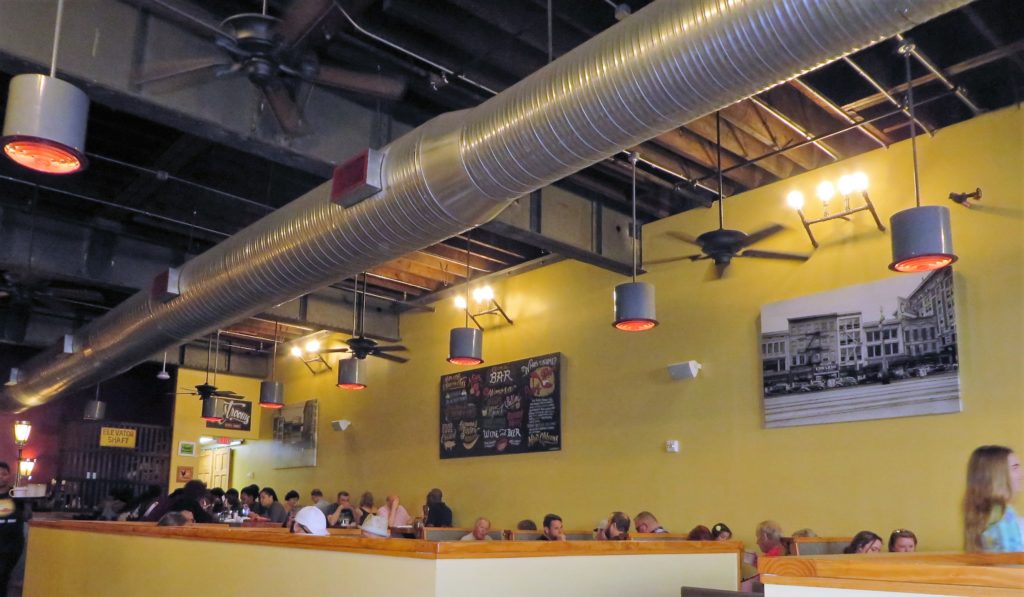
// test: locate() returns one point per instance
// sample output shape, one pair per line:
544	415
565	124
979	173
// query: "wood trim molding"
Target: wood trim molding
408	548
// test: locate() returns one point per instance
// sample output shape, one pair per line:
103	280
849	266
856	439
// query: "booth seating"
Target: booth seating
660	537
454	534
817	546
583	535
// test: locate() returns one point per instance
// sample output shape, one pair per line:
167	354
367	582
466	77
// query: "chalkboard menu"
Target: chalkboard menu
503	409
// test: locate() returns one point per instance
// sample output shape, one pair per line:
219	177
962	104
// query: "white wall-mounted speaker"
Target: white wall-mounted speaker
340	425
684	370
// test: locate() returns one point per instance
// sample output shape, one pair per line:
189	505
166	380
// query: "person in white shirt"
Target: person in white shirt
481	527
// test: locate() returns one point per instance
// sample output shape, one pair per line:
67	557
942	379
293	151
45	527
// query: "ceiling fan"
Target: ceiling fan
722	245
208	392
359	345
271	52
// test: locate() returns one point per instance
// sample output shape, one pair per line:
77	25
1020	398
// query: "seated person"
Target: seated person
375	527
902	540
481	527
273	511
552	528
647	523
700	533
309	521
291	501
864	542
231	501
394	513
769	539
342	512
318	500
526	525
250	498
366	508
720	532
616	528
436	513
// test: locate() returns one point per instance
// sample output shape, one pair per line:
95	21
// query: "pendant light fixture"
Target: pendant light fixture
96	409
466	344
210	414
44	127
634	301
271	390
164	375
922	239
351	371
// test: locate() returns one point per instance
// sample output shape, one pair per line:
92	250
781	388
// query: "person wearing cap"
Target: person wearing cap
720	532
481	528
375	527
319	501
436	513
616	528
310	521
648	523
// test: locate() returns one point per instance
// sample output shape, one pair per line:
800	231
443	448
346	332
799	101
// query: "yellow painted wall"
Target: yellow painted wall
619	404
188	425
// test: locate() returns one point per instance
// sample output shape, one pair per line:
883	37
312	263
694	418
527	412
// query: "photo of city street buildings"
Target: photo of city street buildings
872	351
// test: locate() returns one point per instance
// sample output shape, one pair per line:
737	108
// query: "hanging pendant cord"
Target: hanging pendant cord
906	49
56	38
718	146
634	157
273	361
469	275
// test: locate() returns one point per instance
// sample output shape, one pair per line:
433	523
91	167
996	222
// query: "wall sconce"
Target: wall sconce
848	186
44	127
922	238
25	468
482	295
307	350
351	374
341	424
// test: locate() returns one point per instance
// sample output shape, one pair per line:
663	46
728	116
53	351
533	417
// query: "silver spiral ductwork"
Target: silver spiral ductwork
669	63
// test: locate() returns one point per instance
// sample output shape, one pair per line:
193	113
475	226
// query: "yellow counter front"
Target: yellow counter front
87	558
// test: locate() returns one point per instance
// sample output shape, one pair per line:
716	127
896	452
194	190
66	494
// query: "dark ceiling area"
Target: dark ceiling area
185	191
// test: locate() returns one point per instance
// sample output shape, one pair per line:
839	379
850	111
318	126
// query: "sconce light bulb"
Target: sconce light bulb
296	351
860	182
460	302
483	294
826	191
795	199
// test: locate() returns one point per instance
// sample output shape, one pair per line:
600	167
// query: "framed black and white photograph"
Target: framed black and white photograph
295	435
871	351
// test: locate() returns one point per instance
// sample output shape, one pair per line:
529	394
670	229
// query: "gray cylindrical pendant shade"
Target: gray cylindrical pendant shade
95	410
921	239
351	374
210	410
466	346
44	127
271	394
634	307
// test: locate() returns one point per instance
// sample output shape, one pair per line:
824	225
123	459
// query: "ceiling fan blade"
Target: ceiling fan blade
301	18
390	347
333	350
686	238
669	259
182	16
382	86
774	255
389	357
285	110
176	74
763	234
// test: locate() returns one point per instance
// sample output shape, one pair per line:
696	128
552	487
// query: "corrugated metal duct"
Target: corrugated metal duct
668	64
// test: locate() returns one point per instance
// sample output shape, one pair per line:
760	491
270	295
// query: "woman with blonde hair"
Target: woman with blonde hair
990	523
